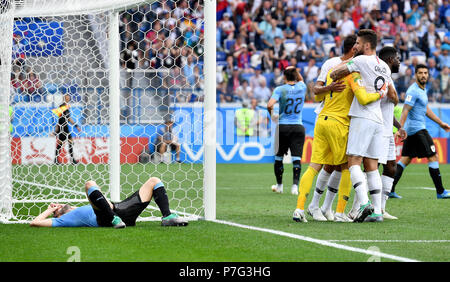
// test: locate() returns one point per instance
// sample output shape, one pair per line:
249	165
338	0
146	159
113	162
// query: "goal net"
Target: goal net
129	74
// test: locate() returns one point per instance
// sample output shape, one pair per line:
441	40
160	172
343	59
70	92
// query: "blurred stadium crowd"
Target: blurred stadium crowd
256	39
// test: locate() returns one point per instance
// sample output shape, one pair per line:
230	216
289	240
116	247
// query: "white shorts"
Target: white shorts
365	138
388	153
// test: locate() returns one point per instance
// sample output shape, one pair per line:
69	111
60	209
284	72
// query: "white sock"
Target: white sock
358	178
375	189
333	187
387	187
321	183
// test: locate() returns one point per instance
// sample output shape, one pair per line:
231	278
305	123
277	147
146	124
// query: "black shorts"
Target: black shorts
130	208
289	136
63	136
419	145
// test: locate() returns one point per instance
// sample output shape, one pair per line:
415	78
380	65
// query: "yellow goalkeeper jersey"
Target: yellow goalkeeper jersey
337	104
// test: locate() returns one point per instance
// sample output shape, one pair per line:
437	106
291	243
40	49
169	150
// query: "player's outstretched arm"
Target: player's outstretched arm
339	72
364	98
321	88
42	220
437	120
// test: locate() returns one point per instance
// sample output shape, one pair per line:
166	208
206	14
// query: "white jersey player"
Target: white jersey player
366	125
388	158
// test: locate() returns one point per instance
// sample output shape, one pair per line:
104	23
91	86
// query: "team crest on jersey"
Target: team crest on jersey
433	148
359	81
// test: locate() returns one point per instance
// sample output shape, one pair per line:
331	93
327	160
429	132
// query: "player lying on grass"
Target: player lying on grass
102	213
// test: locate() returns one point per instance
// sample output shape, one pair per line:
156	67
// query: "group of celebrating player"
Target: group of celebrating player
354	127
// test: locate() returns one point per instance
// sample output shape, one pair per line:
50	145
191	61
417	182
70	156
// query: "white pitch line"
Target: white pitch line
318	241
392	241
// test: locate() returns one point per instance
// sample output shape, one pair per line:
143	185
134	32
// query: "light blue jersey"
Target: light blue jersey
291	99
80	217
417	98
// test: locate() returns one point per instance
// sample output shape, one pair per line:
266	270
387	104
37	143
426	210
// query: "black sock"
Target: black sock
161	199
398	174
437	180
297	168
99	201
58	149
71	150
278	169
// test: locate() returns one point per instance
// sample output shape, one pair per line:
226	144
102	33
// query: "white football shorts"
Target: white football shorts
365	138
388	153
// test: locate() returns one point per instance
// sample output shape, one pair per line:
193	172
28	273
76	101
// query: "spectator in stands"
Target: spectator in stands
300	52
244	92
261	28
232	84
367	22
257	79
227	27
444	84
436	50
403	83
401	46
265	9
428	40
278	53
272	32
412	38
386	27
317	51
310	37
167	139
334	14
266	63
243	58
288	27
433	72
34	87
262	93
188	71
442	10
345	26
444	58
413	15
17	79
279	13
278	78
247	28
399	26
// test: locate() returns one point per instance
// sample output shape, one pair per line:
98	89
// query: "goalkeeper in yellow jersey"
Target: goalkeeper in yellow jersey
330	142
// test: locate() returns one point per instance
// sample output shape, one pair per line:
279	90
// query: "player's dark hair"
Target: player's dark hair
349	42
290	73
421	66
63	210
368	35
387	52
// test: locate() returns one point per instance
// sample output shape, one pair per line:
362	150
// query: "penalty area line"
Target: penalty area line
317	241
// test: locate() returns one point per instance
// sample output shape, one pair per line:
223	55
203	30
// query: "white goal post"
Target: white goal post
50	49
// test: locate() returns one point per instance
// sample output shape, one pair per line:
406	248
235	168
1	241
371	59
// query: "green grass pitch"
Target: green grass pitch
243	196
